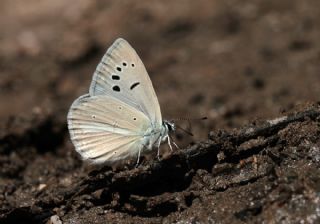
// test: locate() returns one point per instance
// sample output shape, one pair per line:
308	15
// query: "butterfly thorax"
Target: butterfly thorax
154	137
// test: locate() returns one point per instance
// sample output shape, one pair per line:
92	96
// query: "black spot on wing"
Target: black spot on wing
116	88
115	77
134	85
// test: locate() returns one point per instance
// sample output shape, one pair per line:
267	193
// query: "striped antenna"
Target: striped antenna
187	119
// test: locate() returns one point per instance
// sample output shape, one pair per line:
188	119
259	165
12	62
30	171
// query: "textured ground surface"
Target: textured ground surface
251	67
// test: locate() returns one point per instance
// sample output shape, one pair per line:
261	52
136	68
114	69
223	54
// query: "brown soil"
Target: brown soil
251	67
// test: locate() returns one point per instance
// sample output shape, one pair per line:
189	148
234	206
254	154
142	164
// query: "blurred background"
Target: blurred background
233	61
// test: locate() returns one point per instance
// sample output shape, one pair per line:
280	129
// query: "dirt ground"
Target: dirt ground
251	67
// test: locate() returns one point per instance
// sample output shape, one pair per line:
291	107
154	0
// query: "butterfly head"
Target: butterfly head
170	126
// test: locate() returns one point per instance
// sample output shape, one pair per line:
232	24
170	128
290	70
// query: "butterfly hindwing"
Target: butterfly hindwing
122	75
103	128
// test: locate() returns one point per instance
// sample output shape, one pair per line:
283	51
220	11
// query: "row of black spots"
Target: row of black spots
124	64
116	88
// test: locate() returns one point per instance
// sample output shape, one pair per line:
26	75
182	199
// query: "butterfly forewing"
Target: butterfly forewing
122	75
103	128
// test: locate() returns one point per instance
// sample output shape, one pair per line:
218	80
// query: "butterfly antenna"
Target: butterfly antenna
188	119
184	130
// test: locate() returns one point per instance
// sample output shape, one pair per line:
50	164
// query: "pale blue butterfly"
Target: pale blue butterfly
120	116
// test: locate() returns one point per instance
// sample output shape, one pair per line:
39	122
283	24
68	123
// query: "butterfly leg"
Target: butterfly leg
138	160
158	154
175	144
169	141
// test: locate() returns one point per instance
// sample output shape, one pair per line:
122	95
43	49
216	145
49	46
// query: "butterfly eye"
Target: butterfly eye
119	69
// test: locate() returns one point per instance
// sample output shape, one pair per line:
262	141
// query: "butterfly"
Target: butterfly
120	116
